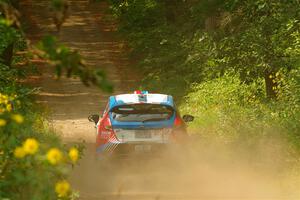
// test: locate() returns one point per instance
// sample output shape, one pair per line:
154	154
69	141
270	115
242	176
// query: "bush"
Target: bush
236	114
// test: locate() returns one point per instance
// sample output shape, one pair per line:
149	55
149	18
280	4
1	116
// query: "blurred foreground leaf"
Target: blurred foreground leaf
70	63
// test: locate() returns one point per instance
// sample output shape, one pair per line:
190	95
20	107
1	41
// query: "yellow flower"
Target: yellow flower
73	154
18	118
8	107
3	97
31	146
54	156
2	122
62	188
19	152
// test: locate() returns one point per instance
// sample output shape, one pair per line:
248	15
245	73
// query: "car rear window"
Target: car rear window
142	112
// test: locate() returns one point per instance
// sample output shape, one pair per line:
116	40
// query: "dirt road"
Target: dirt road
91	31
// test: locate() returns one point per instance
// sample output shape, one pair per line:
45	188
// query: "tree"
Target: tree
259	38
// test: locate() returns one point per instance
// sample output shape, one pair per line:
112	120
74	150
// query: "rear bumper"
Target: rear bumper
138	148
141	148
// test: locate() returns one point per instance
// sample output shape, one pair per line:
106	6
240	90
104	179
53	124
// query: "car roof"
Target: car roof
150	98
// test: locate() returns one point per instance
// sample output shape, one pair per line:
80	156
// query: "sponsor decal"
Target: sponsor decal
105	134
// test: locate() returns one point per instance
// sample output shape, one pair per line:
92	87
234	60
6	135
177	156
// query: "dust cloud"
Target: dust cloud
197	170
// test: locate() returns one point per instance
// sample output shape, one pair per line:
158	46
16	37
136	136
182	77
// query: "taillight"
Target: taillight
178	130
177	121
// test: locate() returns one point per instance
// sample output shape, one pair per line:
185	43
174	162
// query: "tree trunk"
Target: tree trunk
271	84
211	23
173	8
15	4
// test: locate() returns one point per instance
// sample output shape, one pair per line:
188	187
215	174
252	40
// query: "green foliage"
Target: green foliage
8	36
237	114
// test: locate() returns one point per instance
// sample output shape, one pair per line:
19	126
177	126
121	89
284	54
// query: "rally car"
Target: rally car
140	122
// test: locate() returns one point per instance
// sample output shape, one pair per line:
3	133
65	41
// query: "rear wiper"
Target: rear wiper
153	119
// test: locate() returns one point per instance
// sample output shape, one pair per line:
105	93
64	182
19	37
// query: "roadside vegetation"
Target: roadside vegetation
233	64
34	162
